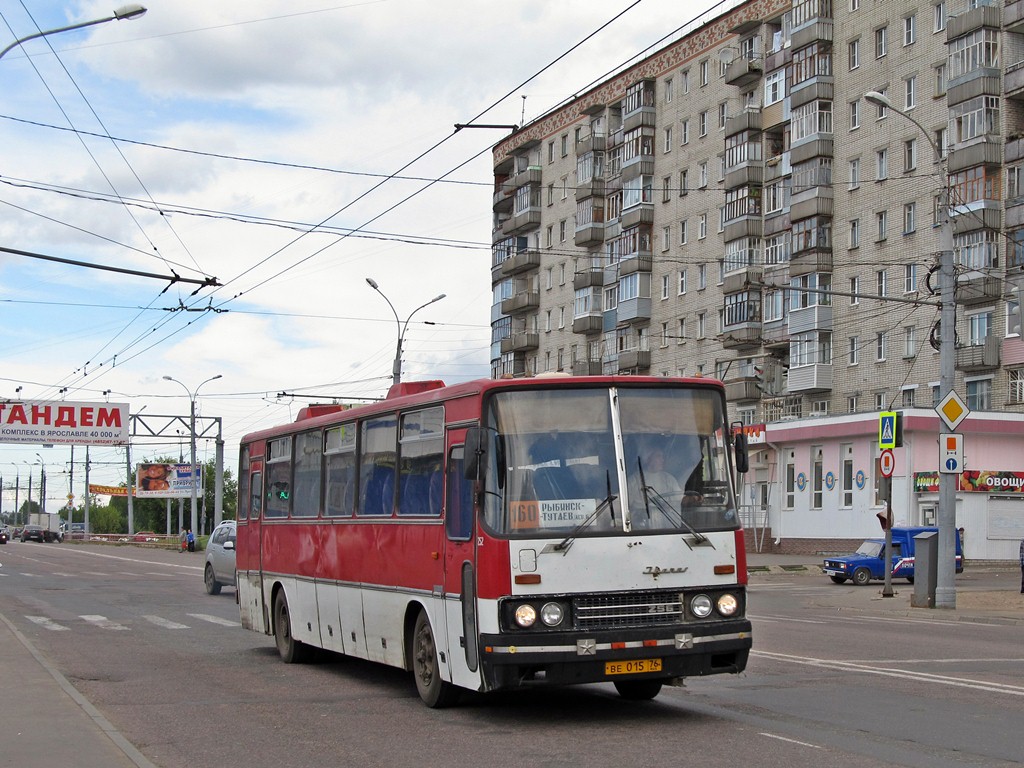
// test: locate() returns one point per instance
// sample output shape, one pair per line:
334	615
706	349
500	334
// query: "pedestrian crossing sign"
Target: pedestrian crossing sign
887	430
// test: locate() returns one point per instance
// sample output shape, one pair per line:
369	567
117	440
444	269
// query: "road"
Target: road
831	681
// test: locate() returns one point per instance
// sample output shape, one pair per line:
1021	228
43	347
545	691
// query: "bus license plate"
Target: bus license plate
632	666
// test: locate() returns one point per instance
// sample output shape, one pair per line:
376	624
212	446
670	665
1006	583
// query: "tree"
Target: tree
106	519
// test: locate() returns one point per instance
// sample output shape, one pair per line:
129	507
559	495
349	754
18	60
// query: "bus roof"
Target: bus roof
416	393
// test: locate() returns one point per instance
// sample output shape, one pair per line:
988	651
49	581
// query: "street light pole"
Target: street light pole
945	587
396	367
192	394
132	11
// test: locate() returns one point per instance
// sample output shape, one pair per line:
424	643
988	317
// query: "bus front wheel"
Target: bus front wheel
638	690
434	691
292	651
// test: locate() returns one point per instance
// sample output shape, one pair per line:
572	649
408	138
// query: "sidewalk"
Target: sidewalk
46	721
1003	605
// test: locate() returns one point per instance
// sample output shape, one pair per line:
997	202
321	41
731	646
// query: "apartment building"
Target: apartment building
733	206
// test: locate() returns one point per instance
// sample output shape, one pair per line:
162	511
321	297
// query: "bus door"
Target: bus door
459	598
250	597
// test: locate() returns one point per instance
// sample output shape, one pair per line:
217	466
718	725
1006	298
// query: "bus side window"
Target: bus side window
256	496
458	521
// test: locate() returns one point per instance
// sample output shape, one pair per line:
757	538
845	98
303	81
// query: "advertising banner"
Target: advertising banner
108	490
164	481
974	481
62	422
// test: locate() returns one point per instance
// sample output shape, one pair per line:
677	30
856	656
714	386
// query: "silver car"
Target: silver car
220	558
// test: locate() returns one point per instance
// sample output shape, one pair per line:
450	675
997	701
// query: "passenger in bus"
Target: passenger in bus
665	497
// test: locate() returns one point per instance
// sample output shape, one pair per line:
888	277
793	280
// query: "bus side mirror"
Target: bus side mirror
474	452
739	442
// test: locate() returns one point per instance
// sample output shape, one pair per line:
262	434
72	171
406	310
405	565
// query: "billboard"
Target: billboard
63	422
165	481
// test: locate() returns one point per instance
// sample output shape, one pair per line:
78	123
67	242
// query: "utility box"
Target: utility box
926	569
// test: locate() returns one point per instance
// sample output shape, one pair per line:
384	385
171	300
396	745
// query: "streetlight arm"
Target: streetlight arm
881	100
132	11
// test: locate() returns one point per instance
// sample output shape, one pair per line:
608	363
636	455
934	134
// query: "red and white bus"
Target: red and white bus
503	533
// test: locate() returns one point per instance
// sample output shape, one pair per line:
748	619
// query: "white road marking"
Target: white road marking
104	623
915	676
47	623
791	741
165	623
215	619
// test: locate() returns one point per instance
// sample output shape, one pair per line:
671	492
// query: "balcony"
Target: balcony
522	222
634	310
810	260
634	360
593	142
978	288
820	30
637	214
741	279
589	234
816	318
530	175
636	263
586	368
775	335
750	173
522	261
744	337
594	188
585	324
1013	16
521	302
520	342
978	357
588	278
742	389
1013	81
810	378
743	71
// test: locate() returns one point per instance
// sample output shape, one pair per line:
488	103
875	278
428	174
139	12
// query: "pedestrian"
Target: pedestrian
1022	566
191	539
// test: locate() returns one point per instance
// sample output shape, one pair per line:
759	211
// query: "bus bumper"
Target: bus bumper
514	660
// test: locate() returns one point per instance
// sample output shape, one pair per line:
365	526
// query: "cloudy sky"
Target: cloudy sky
289	149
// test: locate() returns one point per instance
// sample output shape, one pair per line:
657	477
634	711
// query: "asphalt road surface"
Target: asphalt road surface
830	682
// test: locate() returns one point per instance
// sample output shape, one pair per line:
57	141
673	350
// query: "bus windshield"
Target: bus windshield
606	461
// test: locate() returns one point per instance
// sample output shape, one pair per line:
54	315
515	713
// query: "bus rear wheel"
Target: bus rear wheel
638	690
292	651
434	691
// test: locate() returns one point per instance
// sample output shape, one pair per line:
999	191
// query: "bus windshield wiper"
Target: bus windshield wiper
564	544
665	507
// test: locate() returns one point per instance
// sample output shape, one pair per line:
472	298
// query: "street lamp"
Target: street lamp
396	368
945	587
192	394
42	483
132	11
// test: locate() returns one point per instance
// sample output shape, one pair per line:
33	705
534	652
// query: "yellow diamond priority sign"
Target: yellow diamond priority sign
952	410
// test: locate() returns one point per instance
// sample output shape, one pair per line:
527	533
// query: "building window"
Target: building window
882	220
854	291
979	395
846	451
668	90
667	139
723	114
1016	381
910	342
702	123
909	218
979	326
702	69
880	347
817	477
811	119
682	232
702	226
684	132
774	87
853	53
854	115
976	50
702	276
907	397
790	501
776	249
881	109
881	42
855	233
702	324
910	93
909	155
853	356
880	283
910	278
909	30
881	164
939	17
855	173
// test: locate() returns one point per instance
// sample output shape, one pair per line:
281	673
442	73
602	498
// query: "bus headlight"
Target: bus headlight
728	605
701	606
552	614
526	615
